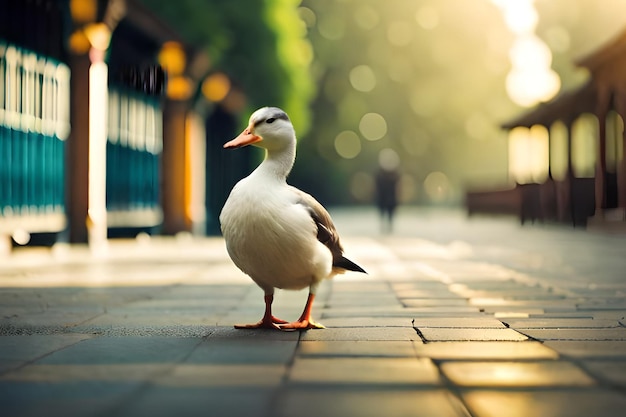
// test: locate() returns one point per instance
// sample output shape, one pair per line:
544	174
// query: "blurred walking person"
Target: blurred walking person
387	179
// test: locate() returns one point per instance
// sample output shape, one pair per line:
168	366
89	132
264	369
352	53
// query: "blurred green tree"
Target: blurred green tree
261	45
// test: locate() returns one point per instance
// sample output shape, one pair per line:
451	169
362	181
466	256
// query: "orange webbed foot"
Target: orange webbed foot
302	325
264	323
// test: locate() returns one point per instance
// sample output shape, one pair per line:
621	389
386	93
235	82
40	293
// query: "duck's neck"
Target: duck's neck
278	163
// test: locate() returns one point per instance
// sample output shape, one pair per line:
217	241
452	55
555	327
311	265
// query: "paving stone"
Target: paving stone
353	402
167	346
356	348
608	314
123	350
361	333
153	319
502	311
438	302
240	375
565	315
508	302
561	403
111	372
417	286
15	351
485	350
426	293
560	323
516	374
459	322
359	301
589	348
612	371
364	371
233	351
85	398
604	304
359	286
400	311
577	334
465	334
251	336
56	317
200	401
337	322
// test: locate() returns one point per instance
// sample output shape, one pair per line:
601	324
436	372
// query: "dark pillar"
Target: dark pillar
600	178
173	158
78	150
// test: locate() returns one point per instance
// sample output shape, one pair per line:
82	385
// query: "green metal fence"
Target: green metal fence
134	146
34	124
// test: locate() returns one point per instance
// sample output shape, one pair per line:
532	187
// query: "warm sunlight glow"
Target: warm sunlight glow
528	154
558	150
195	161
584	134
531	79
98	106
520	15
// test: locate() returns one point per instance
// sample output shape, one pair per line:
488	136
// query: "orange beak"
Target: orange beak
245	138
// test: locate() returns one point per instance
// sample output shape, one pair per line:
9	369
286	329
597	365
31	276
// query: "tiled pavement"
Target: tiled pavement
495	322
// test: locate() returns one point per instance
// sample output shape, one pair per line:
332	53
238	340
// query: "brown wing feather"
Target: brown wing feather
326	231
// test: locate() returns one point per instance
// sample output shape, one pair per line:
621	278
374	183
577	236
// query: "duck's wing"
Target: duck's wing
326	231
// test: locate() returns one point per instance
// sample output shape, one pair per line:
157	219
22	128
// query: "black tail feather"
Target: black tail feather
348	265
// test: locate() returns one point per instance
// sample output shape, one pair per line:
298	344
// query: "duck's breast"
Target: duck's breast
272	238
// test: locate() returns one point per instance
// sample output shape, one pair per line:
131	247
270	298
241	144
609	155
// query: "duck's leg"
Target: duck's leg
304	322
268	321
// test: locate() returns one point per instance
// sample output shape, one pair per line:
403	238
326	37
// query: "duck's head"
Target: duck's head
269	128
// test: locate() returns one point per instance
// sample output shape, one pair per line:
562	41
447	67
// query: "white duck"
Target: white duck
278	235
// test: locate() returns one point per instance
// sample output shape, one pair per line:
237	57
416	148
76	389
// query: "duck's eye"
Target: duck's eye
270	120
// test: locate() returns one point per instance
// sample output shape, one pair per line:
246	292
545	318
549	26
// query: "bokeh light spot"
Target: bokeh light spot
347	144
530	52
363	78
388	159
437	186
373	126
215	87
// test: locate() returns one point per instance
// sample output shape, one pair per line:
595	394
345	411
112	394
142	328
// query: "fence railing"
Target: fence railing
34	125
134	146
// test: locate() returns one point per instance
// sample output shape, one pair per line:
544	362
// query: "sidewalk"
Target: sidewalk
456	318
